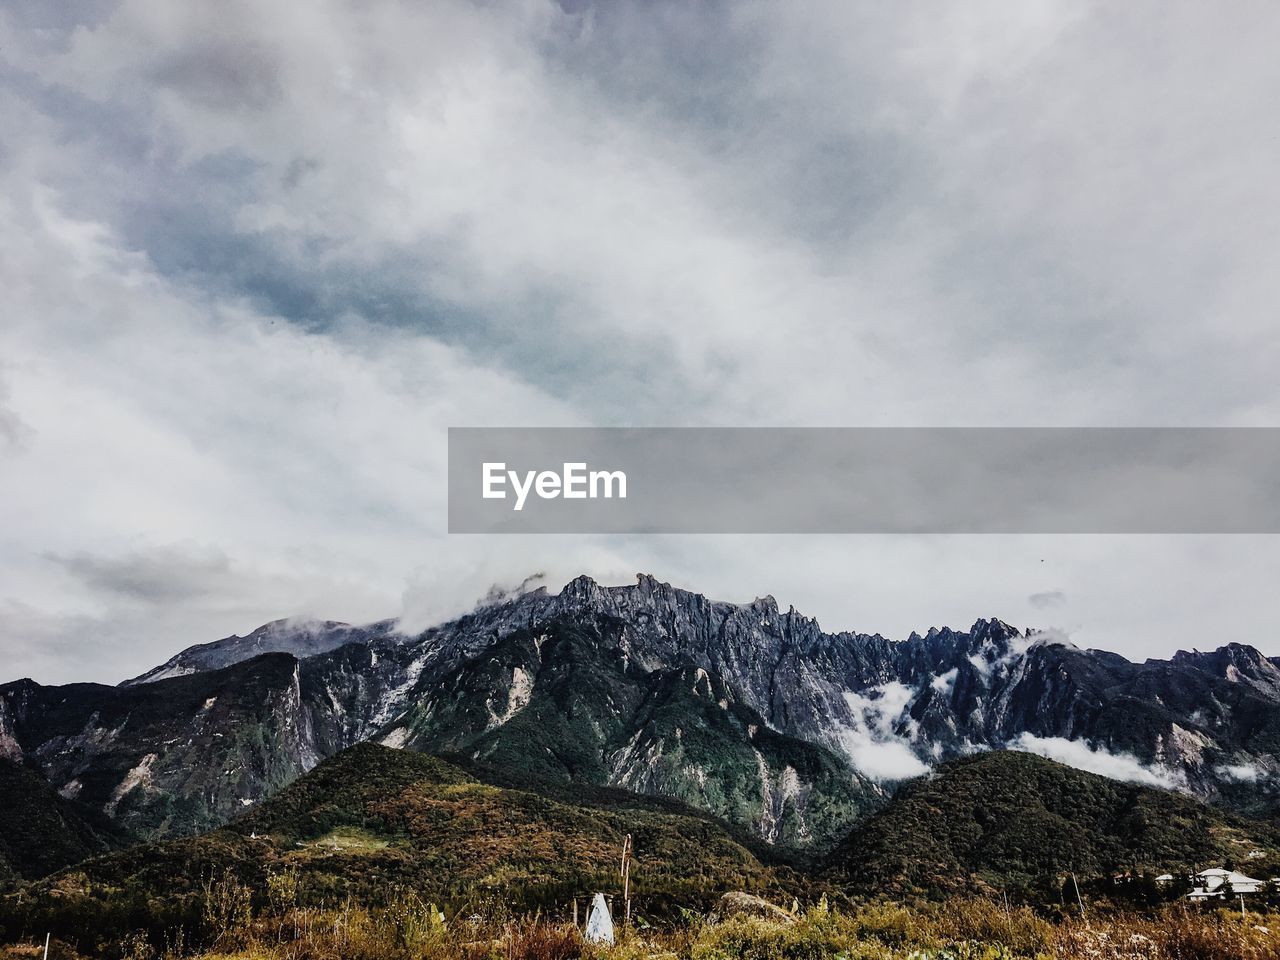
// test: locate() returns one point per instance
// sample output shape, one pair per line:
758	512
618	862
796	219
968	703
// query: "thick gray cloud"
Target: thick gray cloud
13	432
166	574
1047	599
258	256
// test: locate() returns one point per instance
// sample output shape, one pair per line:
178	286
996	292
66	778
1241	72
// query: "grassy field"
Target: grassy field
411	929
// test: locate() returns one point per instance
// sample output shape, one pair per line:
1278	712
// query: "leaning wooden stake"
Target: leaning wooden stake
626	880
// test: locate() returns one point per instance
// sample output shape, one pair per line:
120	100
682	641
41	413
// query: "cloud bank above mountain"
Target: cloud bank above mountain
1095	759
258	257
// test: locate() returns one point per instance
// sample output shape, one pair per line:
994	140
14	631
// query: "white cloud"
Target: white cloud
1242	772
981	664
871	740
194	468
257	257
1046	636
881	707
944	682
884	760
1082	756
990	660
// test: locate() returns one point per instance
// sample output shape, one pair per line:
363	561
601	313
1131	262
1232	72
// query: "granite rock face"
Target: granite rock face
302	638
745	710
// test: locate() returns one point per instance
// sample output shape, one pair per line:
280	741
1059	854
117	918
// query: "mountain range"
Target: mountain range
746	712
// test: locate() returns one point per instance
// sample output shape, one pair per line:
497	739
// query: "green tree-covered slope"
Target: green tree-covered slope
1006	820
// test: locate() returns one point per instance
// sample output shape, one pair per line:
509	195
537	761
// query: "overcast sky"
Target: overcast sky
257	257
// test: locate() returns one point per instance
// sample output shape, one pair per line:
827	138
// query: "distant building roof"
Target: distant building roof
1241	878
1218	882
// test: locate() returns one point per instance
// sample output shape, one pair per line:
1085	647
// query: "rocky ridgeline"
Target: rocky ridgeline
745	710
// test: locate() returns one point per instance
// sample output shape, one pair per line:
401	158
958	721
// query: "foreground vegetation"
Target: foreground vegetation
411	929
978	862
372	822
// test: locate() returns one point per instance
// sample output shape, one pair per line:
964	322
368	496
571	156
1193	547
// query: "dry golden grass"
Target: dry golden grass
411	929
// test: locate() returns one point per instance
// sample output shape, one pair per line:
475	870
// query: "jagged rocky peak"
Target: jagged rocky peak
766	604
646	591
988	632
653	602
649	604
582	589
1234	661
995	627
299	636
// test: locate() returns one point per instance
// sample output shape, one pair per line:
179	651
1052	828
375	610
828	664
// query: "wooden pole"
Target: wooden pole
1079	899
46	945
626	881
